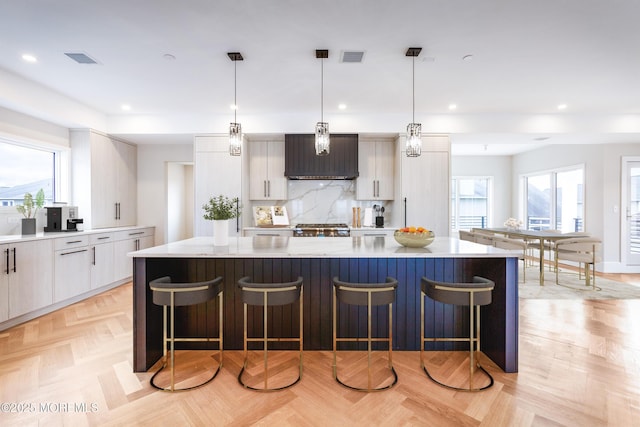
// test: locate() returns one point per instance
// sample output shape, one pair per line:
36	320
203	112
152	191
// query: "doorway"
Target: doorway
180	201
630	212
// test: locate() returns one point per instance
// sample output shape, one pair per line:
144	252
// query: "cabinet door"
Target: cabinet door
123	264
72	273
102	271
385	170
215	172
4	282
278	183
103	182
258	176
31	284
366	182
126	167
266	171
425	185
375	164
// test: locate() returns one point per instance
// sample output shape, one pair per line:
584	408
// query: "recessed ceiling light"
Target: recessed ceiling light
169	57
541	138
125	107
29	58
562	106
467	58
452	107
342	106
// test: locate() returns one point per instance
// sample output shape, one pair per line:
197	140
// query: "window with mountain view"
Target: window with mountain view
25	170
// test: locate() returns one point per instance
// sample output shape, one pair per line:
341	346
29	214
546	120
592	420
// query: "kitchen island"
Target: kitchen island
318	260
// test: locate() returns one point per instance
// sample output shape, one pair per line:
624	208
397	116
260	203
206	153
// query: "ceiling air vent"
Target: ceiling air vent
352	56
81	58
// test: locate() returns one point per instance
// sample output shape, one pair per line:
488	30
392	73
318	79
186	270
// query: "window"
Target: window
470	202
555	200
25	170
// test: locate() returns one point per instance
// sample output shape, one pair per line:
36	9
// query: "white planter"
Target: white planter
221	232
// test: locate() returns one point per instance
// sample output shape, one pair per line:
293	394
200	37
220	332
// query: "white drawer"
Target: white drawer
75	241
134	233
98	238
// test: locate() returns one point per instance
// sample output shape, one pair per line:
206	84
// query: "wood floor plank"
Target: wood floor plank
579	365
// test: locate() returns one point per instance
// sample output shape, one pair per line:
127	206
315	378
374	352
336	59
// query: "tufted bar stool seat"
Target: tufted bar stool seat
170	295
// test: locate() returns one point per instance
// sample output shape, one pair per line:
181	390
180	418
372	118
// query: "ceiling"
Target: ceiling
168	61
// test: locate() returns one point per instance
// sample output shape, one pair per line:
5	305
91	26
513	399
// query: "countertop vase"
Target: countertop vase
28	226
221	232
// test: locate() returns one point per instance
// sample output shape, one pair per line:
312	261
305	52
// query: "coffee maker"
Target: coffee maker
63	218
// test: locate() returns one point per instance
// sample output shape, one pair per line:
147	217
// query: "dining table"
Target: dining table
541	236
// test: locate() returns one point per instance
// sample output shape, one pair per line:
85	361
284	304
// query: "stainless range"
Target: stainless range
321	230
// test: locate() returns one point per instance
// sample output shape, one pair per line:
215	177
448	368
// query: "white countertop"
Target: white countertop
16	238
319	247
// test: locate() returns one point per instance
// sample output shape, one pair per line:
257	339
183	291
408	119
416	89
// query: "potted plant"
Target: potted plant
29	208
220	210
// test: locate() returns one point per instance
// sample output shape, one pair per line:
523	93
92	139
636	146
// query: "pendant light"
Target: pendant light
322	127
235	128
414	130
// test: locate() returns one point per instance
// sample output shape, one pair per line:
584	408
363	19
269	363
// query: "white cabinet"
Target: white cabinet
104	179
72	267
4	282
215	172
425	185
376	168
266	171
28	271
125	242
102	261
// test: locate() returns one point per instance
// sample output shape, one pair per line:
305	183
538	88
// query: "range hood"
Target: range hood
301	162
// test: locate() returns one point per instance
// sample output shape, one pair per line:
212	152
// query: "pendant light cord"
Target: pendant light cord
235	91
322	90
413	89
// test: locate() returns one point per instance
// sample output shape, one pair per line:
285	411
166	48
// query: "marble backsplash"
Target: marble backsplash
325	201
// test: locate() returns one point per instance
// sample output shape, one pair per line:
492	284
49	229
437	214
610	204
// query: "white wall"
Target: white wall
498	167
152	184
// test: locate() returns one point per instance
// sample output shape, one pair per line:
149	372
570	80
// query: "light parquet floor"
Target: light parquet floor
579	366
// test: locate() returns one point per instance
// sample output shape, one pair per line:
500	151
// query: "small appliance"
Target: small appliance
63	218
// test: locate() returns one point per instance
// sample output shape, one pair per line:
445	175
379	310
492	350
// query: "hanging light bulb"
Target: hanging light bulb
322	127
235	128
414	130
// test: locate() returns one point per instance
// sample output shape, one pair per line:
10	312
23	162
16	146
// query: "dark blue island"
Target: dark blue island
318	260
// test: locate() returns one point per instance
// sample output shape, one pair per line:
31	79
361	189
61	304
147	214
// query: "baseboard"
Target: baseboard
617	267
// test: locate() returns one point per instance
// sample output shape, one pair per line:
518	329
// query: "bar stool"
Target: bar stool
369	295
268	295
472	295
171	295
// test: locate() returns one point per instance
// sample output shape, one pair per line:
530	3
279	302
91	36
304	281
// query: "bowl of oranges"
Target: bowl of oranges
414	237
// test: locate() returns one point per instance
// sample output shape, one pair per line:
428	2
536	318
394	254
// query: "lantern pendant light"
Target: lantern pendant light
414	130
322	127
235	128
